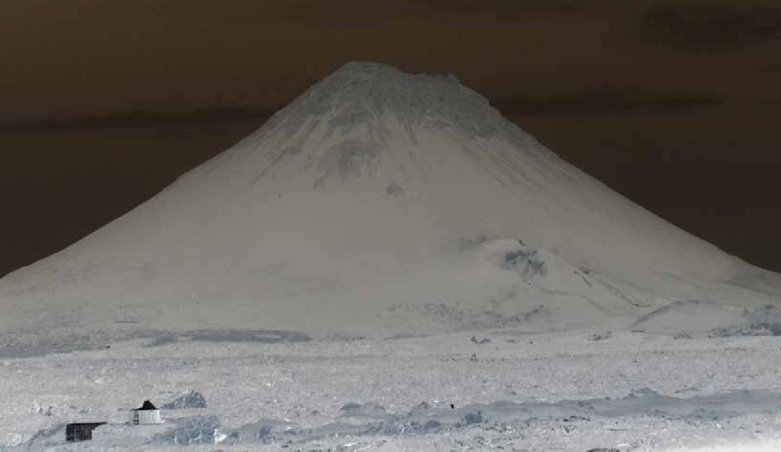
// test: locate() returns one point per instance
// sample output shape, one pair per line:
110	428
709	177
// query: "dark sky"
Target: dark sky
674	104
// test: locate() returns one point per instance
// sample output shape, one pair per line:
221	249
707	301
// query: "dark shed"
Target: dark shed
77	432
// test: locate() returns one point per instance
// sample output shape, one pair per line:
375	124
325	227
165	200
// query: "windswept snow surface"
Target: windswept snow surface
379	203
754	446
493	390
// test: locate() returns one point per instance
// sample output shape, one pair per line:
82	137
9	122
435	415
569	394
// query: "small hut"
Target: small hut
81	431
148	414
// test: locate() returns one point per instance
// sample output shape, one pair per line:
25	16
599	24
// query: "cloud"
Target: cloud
357	12
609	101
595	102
710	28
135	119
512	8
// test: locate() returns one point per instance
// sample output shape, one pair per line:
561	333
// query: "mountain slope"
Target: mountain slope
379	201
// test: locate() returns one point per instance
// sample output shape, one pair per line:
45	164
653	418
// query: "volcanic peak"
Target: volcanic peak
363	91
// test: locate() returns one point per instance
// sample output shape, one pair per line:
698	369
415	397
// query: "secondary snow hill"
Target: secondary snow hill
379	202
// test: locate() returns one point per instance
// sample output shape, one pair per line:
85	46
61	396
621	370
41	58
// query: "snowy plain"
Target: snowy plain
494	390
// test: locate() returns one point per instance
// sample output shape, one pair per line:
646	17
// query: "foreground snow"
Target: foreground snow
500	390
758	446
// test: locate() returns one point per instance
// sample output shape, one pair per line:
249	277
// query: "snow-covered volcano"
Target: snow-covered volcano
380	201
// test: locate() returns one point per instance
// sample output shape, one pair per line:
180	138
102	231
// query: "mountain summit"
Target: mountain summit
380	202
364	92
